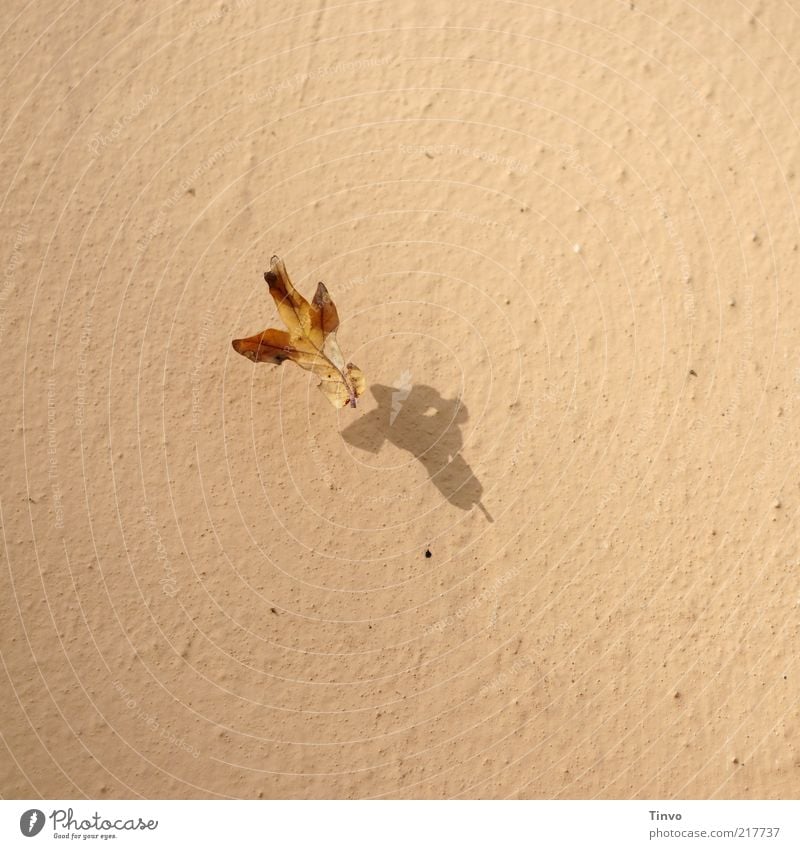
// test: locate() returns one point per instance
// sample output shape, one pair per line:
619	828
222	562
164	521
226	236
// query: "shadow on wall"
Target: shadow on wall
428	426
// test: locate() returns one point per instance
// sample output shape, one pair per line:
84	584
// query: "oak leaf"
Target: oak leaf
310	340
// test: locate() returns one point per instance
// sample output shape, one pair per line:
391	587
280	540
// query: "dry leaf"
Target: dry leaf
310	341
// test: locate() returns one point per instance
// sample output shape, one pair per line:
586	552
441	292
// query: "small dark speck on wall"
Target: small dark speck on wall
428	552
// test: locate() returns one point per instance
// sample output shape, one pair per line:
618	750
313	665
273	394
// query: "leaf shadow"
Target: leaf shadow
428	426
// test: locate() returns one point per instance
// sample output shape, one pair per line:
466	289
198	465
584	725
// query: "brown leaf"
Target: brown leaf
310	341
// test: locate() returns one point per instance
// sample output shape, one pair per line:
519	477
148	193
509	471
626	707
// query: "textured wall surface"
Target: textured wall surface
554	551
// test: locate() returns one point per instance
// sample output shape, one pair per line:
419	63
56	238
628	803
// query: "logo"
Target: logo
31	822
401	391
